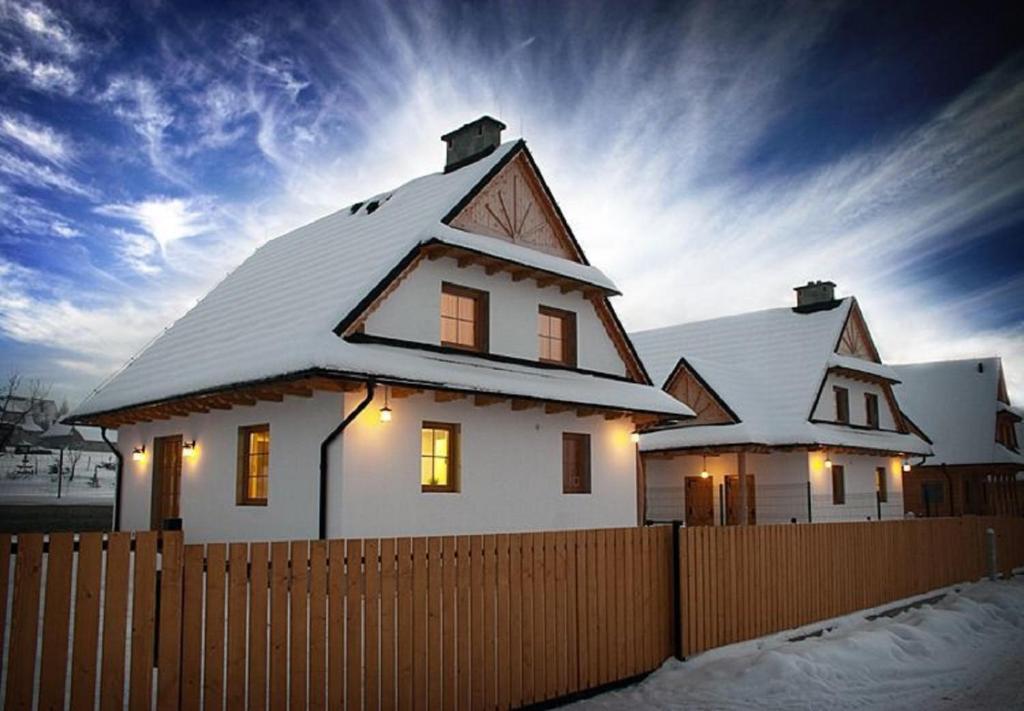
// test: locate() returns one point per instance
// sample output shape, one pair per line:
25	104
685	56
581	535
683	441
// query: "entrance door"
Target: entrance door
166	496
732	500
700	501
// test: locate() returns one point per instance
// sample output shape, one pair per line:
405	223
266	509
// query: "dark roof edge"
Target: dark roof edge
683	362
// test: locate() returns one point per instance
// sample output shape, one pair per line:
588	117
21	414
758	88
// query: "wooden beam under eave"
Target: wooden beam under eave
568	286
336	386
435	252
520	274
447	396
267	395
553	408
586	411
614	415
485	400
297	391
518	405
544	282
466	260
399	393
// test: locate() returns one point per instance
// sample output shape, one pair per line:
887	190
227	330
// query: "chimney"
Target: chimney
815	296
472	142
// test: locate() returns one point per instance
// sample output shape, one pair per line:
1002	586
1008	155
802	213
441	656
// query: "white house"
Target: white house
796	416
439	358
964	407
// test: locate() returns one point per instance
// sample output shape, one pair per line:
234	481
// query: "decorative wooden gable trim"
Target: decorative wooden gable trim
515	205
686	385
623	346
855	339
1001	393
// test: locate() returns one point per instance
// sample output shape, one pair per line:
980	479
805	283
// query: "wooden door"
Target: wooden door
166	496
732	500
700	501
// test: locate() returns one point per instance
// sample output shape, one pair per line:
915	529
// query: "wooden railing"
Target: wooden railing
494	621
738	583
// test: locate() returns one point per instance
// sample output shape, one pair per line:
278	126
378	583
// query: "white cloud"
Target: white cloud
165	219
41	176
40	139
52	31
137	101
41	74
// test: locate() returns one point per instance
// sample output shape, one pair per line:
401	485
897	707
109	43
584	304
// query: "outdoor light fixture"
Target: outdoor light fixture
906	465
634	436
139	453
385	412
828	461
188	449
704	470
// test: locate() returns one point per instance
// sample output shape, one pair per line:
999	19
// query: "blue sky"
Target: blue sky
710	156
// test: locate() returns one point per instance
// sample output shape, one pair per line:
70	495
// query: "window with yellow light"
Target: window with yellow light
253	465
439	457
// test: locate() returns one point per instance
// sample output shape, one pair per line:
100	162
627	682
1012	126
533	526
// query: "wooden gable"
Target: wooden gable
687	387
514	205
1001	393
855	339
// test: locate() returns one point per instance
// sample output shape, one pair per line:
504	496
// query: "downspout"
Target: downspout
117	478
371	386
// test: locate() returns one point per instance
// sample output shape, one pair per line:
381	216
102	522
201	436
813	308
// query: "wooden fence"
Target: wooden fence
493	621
738	583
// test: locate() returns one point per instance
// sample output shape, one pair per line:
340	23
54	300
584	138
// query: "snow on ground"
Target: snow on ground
964	652
35	484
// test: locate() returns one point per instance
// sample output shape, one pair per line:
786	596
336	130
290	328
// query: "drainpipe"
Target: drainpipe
370	387
117	479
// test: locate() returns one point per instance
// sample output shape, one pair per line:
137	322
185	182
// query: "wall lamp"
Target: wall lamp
188	449
704	474
828	460
385	412
139	453
634	437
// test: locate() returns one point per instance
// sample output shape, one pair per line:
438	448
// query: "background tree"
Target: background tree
19	399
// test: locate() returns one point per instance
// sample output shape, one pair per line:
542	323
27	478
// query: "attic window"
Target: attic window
842	396
355	208
372	206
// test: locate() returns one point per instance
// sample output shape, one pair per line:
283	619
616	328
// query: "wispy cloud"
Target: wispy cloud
39	73
138	102
43	23
38	138
35	174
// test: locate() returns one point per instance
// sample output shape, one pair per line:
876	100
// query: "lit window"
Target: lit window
881	485
842	404
253	465
439	456
463	317
871	407
575	463
556	330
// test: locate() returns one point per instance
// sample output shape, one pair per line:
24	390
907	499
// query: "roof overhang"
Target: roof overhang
765	448
304	384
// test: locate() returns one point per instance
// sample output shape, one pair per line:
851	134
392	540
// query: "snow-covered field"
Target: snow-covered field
964	652
34	484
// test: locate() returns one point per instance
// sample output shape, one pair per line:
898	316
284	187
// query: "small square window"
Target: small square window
463	317
439	457
575	463
556	332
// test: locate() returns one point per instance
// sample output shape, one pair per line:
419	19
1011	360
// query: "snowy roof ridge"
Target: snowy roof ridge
276	313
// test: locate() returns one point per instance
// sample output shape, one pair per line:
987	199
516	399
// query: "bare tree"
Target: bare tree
74	456
18	400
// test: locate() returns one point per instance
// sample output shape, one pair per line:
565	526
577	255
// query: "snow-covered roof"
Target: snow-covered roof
767	366
955	402
275	314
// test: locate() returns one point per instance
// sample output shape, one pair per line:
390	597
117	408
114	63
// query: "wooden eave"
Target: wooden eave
861	375
760	448
304	385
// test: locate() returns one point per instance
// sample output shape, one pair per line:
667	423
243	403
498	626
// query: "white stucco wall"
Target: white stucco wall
860	487
826	408
511	473
412	312
209	510
510	478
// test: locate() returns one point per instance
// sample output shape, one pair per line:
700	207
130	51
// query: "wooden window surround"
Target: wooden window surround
871	410
556	332
1006	433
575	463
464	318
881	485
838	484
842	405
253	465
439	457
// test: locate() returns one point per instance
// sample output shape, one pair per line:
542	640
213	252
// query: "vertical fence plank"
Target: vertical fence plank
21	656
354	624
143	620
371	624
515	620
449	665
419	622
490	619
503	632
433	612
388	588
87	616
259	556
405	624
238	583
335	624
527	611
169	645
213	636
115	613
192	628
57	615
572	628
476	624
5	568
463	643
317	625
298	620
278	663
